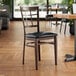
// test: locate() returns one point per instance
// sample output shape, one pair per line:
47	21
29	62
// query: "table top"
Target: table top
67	16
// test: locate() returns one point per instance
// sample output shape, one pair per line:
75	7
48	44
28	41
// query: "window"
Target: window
42	5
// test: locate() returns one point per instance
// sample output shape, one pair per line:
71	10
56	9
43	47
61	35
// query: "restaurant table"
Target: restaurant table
69	16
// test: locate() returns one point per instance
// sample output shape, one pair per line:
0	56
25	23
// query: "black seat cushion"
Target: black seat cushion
40	35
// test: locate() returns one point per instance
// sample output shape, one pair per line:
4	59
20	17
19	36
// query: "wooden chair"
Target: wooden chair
37	37
49	17
64	11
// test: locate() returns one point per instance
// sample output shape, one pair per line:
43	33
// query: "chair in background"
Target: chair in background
37	38
64	11
49	17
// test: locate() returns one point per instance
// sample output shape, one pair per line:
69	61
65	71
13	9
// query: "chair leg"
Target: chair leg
36	54
45	24
61	26
65	28
50	22
39	52
55	49
23	52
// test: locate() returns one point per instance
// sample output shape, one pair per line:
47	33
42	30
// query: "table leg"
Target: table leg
68	56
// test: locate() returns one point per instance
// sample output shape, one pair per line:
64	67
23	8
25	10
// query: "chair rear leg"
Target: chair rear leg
65	28
55	49
61	26
50	22
39	52
46	21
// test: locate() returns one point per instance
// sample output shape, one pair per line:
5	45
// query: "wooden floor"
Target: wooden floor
11	43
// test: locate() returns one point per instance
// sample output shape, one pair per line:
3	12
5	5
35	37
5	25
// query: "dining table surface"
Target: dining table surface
67	16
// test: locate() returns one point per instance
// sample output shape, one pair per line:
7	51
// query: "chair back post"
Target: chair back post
21	9
38	29
32	8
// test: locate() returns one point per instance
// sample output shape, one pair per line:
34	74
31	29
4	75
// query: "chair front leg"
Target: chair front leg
36	54
55	49
39	51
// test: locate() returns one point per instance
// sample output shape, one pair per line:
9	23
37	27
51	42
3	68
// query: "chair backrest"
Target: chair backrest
30	12
65	10
6	12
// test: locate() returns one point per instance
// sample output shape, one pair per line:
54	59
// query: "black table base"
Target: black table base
70	58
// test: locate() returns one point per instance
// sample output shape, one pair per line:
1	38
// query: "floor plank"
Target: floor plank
11	44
